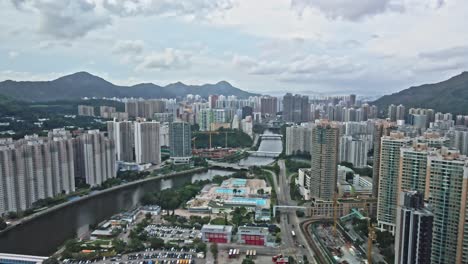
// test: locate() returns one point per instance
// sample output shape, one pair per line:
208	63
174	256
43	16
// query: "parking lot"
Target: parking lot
151	256
172	232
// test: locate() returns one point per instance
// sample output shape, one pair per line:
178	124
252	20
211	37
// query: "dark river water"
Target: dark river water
44	234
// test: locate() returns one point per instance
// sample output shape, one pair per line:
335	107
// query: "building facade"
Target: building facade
446	191
413	238
252	235
147	143
388	183
296	108
354	150
216	233
122	134
85	110
268	106
325	141
180	137
94	157
34	168
298	140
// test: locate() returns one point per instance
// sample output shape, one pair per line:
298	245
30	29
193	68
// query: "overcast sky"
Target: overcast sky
368	47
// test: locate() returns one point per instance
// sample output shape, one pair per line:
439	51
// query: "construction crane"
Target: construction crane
210	133
193	139
335	213
370	235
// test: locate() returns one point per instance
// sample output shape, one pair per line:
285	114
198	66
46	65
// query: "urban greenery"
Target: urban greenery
366	171
214	251
292	166
3	224
258	128
171	199
386	241
233	137
22	116
294	189
248	261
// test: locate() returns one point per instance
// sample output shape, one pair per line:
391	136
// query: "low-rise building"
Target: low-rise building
253	194
303	180
344	206
152	209
216	233
252	235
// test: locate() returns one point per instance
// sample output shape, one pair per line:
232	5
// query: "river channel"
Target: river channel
44	234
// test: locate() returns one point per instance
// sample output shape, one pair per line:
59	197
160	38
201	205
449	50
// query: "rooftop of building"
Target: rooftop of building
448	154
21	258
219	228
253	229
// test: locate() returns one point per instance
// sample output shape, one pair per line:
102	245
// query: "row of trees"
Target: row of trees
235	138
3	224
171	199
366	171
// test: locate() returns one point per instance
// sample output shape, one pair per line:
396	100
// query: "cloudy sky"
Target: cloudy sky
369	47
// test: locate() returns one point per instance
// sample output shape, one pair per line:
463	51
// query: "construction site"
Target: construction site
348	239
218	145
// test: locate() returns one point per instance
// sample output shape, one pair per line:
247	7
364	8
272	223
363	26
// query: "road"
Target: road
289	220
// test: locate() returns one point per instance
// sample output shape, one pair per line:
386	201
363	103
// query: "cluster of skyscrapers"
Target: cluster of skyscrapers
420	175
36	167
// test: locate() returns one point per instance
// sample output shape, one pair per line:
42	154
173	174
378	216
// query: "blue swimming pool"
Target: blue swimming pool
229	191
257	201
239	182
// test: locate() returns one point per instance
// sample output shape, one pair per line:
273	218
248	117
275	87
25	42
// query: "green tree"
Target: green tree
199	245
148	216
3	224
278	238
12	215
214	250
119	245
156	242
247	261
135	244
300	213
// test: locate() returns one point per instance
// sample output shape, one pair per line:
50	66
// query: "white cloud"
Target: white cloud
128	46
376	46
347	9
169	59
71	19
29	76
67	19
446	60
357	10
195	8
13	54
302	67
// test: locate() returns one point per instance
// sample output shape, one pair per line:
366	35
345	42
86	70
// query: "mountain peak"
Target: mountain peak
224	83
81	76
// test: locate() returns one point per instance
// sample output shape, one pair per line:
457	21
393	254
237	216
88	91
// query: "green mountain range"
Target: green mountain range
83	84
450	96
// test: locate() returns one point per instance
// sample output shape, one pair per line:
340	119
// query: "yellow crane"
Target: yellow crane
335	213
210	133
193	139
370	235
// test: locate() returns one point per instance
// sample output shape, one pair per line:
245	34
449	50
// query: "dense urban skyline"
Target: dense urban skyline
308	46
233	131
